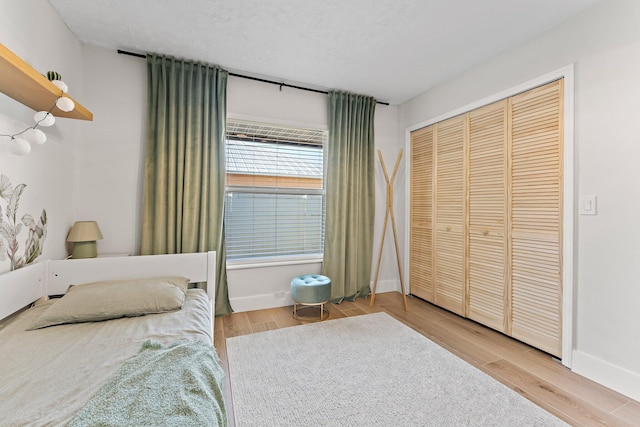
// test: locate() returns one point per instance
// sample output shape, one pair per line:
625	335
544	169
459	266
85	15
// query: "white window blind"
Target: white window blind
274	205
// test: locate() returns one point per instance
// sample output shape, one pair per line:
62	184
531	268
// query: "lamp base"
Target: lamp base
84	250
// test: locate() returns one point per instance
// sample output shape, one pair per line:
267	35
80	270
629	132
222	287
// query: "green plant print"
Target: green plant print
10	228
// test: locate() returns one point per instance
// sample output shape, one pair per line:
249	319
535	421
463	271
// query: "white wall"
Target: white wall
34	32
110	163
604	44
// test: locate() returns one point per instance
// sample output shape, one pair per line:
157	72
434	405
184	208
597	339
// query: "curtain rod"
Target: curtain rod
242	76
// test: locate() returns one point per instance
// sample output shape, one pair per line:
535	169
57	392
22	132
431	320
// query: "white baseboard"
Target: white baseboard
609	375
283	299
261	302
387	286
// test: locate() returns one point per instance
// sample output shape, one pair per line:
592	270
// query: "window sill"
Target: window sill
271	262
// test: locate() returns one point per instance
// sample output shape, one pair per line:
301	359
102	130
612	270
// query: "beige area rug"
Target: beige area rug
368	370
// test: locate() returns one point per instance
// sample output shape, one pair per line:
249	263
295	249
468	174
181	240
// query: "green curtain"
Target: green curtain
348	241
184	176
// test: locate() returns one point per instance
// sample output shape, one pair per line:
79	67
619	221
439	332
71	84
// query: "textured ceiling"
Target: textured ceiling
390	49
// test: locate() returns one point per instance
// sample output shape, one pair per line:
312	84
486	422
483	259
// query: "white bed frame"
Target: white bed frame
21	287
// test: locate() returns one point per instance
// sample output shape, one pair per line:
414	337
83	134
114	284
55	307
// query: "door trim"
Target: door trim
568	221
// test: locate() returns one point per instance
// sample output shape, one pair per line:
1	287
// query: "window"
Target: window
274	204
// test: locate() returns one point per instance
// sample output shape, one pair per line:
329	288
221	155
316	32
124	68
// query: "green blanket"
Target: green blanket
176	385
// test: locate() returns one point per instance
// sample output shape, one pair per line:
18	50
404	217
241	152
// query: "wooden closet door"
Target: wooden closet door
488	213
450	205
537	217
421	215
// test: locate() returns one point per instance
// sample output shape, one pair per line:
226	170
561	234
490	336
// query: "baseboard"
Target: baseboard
387	286
283	299
261	302
609	375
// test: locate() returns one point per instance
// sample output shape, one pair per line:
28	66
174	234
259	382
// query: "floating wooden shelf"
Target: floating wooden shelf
27	86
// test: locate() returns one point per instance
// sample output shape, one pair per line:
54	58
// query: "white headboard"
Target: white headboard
21	287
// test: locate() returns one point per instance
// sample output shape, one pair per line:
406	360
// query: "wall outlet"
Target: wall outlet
279	295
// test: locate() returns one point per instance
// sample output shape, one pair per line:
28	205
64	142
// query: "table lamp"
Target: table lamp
84	234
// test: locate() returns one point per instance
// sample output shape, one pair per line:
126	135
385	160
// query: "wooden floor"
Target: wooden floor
533	374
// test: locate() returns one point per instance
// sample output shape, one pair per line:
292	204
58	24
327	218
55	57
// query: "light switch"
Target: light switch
588	205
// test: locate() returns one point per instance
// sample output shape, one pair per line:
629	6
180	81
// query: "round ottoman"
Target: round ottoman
311	291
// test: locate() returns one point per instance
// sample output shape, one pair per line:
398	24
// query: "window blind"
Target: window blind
274	202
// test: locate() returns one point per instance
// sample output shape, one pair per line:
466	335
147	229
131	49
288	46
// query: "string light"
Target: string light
21	141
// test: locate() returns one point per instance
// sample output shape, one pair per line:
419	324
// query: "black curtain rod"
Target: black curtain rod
242	76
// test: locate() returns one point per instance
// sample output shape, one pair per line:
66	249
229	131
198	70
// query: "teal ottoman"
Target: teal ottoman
312	291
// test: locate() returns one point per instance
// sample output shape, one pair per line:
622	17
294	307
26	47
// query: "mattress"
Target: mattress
49	374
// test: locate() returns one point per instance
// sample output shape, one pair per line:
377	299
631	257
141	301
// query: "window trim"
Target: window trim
285	260
274	190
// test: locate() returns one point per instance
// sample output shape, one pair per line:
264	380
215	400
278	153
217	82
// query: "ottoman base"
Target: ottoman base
310	312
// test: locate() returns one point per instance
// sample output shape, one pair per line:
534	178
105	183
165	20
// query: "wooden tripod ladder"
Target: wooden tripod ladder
389	212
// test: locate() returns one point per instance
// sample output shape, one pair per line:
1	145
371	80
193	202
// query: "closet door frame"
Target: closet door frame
568	200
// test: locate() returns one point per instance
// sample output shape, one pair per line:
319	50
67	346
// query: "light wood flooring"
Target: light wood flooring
533	374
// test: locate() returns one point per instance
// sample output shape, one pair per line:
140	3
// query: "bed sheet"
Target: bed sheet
47	375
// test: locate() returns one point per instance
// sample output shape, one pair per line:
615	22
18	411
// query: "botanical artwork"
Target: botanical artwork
10	228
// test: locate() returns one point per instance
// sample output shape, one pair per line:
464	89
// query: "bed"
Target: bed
158	368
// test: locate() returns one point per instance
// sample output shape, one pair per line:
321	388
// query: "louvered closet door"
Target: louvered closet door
450	214
536	217
421	241
488	213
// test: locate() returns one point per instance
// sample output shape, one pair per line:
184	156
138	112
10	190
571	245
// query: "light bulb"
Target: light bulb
65	104
19	147
62	85
35	136
42	118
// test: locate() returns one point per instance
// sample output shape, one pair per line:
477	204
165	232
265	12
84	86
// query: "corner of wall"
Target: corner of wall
607	374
